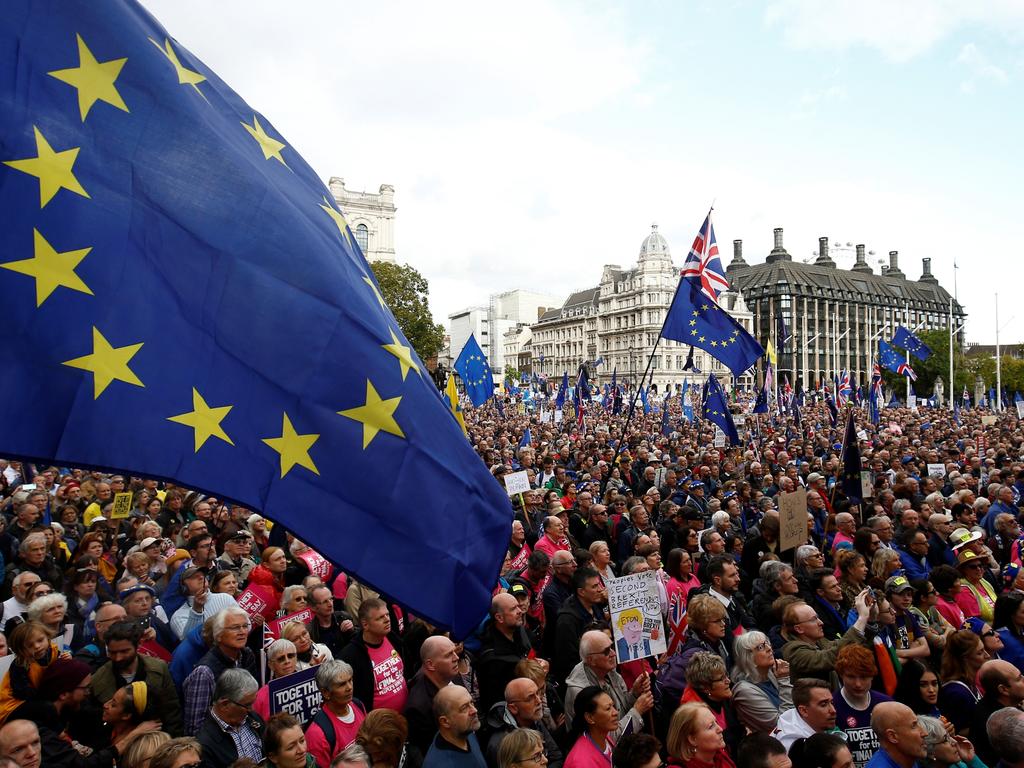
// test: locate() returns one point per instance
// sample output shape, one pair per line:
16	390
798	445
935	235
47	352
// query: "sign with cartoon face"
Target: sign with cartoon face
635	608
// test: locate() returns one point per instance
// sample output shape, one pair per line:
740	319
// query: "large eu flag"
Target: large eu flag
698	320
184	300
911	343
475	371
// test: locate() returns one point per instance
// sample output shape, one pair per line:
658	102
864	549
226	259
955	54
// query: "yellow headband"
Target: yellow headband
140	696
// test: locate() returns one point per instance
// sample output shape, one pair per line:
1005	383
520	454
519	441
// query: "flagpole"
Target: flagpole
999	377
908	358
952	388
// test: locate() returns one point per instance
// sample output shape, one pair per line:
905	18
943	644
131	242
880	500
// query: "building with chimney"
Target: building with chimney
619	321
836	316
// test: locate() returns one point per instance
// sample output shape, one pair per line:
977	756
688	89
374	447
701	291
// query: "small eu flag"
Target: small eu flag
696	319
851	461
475	371
910	342
184	300
893	361
716	409
563	390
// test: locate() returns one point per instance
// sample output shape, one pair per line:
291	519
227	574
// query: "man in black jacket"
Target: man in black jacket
505	644
577	614
232	730
330	627
379	683
440	667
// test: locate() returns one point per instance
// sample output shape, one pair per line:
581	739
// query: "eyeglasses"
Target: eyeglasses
246	707
989	633
606	651
763	646
537	758
285	656
239	628
721	620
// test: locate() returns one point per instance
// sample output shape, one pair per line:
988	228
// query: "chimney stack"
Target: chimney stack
926	271
861	264
823	259
779	252
894	265
737	263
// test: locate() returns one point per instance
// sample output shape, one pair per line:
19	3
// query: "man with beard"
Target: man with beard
455	745
127	666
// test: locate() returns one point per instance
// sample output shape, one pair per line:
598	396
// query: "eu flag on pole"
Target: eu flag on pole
910	342
643	399
851	461
685	403
475	371
563	390
696	319
894	361
183	299
761	404
716	409
527	439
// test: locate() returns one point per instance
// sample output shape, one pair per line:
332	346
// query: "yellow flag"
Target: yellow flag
452	394
771	352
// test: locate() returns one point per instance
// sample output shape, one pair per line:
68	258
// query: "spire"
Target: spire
926	272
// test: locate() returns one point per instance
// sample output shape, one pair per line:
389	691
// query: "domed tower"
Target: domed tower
654	252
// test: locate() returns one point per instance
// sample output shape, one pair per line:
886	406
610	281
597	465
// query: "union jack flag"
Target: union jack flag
904	369
703	263
845	389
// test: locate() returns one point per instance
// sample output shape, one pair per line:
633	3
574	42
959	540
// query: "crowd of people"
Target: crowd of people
890	636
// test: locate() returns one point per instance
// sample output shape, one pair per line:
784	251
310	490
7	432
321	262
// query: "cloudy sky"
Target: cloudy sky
529	144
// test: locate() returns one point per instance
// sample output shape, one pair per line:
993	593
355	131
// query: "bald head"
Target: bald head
898	731
1002	679
502	602
440	660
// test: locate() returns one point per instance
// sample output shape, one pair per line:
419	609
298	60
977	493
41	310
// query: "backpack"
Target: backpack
322	719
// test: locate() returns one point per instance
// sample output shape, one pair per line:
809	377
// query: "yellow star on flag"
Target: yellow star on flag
376	415
293	447
271	147
373	287
107	363
51	269
93	79
204	420
185	75
338	218
53	169
403	353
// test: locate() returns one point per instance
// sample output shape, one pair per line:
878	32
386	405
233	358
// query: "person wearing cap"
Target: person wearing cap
695	497
200	604
140	605
126	665
908	638
237	555
977	597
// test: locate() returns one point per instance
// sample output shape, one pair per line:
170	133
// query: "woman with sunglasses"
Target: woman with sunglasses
282	659
977	597
936	629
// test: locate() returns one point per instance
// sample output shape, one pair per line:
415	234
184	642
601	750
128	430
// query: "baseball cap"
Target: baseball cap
191	571
897	584
814	477
241	535
149	541
518	589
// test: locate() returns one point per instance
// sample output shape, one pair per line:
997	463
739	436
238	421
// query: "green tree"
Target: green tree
405	291
936	366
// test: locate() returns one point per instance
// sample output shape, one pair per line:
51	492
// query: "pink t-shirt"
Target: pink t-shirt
389	687
344	734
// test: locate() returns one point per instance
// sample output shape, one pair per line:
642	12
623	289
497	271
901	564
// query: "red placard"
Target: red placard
272	629
318	566
252	603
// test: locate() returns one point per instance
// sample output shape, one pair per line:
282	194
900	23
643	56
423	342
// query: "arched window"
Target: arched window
363	237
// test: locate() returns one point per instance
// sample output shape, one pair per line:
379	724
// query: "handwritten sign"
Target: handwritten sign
1020	409
517	482
936	470
122	506
635	609
296	694
867	490
989	421
792	519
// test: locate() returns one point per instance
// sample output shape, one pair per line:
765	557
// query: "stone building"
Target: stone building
370	216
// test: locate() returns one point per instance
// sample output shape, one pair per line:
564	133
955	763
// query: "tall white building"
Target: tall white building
620	321
370	216
504	312
471	320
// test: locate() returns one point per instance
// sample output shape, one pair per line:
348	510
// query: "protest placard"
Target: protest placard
1020	409
251	602
517	482
792	519
296	694
866	488
318	565
936	470
272	629
122	506
636	616
988	421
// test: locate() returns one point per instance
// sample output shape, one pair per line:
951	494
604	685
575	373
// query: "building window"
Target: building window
363	237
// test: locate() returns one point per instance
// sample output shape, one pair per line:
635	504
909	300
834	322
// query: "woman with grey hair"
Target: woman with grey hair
282	658
945	750
707	682
50	610
761	689
337	723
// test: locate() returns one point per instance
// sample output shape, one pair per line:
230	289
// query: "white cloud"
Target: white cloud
978	68
898	30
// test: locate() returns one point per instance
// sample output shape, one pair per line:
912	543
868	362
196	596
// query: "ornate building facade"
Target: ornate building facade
619	322
836	316
371	217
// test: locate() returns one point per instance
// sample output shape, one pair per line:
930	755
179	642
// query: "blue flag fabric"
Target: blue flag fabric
893	360
527	439
685	403
797	418
643	399
910	342
183	300
666	428
761	405
851	461
716	409
830	403
475	371
696	319
563	390
992	397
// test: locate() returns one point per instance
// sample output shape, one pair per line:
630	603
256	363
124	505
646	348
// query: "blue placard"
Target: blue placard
296	694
